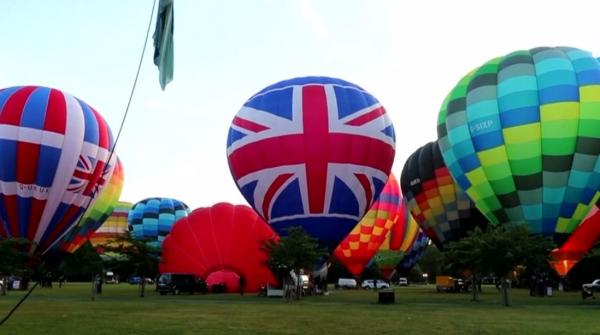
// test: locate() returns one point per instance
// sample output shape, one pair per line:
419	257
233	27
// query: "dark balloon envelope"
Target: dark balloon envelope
521	135
53	162
442	209
220	244
313	152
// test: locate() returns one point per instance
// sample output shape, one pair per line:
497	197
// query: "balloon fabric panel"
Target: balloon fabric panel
397	242
414	254
410	231
52	163
114	227
357	249
313	152
523	138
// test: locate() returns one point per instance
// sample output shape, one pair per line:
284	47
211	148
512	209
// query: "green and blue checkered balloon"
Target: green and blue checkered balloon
521	134
151	219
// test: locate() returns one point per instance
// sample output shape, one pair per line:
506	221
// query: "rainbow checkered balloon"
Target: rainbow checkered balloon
521	135
355	251
97	213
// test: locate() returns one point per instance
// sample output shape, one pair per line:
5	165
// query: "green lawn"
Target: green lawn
418	310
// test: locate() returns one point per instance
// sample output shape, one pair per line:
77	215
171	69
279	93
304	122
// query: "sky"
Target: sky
408	54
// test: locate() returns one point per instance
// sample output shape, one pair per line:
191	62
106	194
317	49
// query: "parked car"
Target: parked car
593	286
136	280
402	281
177	283
17	283
370	283
346	283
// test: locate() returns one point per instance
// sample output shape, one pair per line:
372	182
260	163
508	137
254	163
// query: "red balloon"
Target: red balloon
579	243
220	244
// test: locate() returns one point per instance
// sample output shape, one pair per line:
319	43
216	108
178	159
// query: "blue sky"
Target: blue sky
409	54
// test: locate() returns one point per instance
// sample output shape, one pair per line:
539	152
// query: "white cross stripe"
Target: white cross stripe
31	135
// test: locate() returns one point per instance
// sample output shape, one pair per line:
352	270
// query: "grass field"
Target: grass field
418	310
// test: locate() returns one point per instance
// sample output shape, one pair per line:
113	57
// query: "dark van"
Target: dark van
177	283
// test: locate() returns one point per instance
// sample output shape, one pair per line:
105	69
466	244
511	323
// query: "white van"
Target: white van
110	278
346	283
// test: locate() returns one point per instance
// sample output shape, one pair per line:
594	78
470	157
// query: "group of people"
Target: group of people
541	286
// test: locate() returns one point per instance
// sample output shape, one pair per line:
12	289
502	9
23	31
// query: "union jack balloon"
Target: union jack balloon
53	162
96	214
312	152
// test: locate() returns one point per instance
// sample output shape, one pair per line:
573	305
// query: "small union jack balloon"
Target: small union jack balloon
312	152
97	213
54	150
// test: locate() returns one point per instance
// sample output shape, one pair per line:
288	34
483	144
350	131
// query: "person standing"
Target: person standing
242	284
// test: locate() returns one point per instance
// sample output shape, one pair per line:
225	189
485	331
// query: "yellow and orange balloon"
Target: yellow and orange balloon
366	238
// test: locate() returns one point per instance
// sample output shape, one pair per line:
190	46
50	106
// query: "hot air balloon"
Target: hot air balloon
220	244
114	227
521	135
579	243
53	155
151	219
313	152
441	208
417	249
96	214
357	249
397	243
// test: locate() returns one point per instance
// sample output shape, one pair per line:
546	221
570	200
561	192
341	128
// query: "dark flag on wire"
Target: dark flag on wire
163	42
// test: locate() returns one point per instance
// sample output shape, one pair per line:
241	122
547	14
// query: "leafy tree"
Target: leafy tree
293	252
415	274
432	262
13	259
337	270
83	264
499	251
140	257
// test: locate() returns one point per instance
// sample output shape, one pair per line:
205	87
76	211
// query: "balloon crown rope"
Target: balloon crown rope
10	313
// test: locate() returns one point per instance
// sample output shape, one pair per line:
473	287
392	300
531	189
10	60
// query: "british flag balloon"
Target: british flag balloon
54	150
312	152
